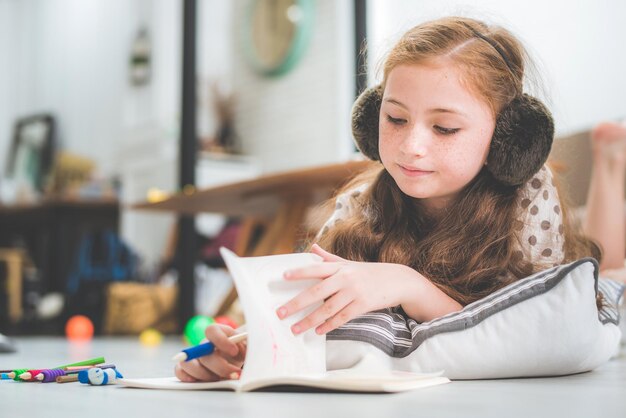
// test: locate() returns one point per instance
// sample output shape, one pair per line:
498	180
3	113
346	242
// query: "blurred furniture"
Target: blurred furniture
13	259
148	164
275	203
279	201
50	231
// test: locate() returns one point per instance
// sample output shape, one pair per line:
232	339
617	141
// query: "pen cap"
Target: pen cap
82	376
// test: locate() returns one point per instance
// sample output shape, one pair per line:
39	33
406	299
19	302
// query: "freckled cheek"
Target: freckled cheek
387	142
462	163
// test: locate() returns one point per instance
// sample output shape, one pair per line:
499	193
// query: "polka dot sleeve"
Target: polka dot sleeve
539	238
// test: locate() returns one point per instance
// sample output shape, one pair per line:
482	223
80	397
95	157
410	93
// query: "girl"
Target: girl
460	204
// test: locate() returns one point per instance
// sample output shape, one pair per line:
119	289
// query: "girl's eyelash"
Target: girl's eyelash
440	129
446	131
396	121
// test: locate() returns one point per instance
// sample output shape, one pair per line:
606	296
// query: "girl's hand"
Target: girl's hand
225	362
348	289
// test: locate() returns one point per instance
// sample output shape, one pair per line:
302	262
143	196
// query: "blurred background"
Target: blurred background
106	104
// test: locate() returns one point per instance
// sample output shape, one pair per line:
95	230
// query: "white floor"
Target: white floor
601	393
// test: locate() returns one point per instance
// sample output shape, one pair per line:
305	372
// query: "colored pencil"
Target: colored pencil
72	370
91	362
67	379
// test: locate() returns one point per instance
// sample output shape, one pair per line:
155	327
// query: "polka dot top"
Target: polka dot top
539	226
540	223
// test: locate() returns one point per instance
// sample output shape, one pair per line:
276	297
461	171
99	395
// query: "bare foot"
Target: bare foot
609	140
619	275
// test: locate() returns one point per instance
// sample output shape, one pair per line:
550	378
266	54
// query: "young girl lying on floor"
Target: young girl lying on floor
460	205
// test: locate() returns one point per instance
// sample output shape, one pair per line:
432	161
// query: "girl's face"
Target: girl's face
434	132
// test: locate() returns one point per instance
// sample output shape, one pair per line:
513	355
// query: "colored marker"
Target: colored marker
204	349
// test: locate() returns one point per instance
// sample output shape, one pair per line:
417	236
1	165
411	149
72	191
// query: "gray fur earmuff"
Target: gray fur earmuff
520	145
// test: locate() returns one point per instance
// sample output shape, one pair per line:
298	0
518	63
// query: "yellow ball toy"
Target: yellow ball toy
150	337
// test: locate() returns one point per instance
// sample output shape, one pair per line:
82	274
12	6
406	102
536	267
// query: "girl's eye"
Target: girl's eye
396	121
446	131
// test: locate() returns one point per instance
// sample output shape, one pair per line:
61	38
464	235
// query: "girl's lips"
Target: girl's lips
414	173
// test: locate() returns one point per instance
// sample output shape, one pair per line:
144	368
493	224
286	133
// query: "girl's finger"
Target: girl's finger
349	312
240	358
314	271
182	375
196	370
326	256
219	365
313	294
330	308
218	334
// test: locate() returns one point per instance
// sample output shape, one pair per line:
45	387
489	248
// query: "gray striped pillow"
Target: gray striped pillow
397	335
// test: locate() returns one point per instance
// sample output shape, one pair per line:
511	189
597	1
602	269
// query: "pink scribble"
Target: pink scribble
274	348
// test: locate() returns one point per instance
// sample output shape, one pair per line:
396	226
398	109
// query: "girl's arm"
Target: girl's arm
350	288
423	301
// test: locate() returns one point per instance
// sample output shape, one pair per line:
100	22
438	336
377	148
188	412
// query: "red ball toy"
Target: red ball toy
79	328
225	320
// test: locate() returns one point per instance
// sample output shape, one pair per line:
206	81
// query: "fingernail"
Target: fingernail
234	375
282	311
295	329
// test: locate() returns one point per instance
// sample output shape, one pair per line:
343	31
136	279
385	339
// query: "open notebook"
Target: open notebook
275	357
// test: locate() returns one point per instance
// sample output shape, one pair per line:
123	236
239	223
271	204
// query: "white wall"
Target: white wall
579	46
16	71
303	117
70	57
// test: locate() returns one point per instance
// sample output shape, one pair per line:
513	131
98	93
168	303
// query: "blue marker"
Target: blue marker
204	349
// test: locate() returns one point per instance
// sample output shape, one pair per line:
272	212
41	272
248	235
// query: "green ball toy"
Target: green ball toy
194	330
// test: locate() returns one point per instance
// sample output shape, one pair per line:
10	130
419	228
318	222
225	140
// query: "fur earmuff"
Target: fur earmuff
520	145
365	115
521	141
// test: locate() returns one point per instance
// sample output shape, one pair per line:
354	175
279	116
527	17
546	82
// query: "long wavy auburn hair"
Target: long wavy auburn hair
469	250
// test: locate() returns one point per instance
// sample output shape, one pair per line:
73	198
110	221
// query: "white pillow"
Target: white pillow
547	324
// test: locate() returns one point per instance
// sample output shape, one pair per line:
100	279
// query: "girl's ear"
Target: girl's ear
365	115
521	141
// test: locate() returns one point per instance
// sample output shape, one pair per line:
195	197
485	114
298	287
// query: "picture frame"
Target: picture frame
31	153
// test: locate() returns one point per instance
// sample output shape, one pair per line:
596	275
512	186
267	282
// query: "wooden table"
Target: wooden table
279	202
280	198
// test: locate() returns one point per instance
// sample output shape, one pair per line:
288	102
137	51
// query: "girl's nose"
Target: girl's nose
416	142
